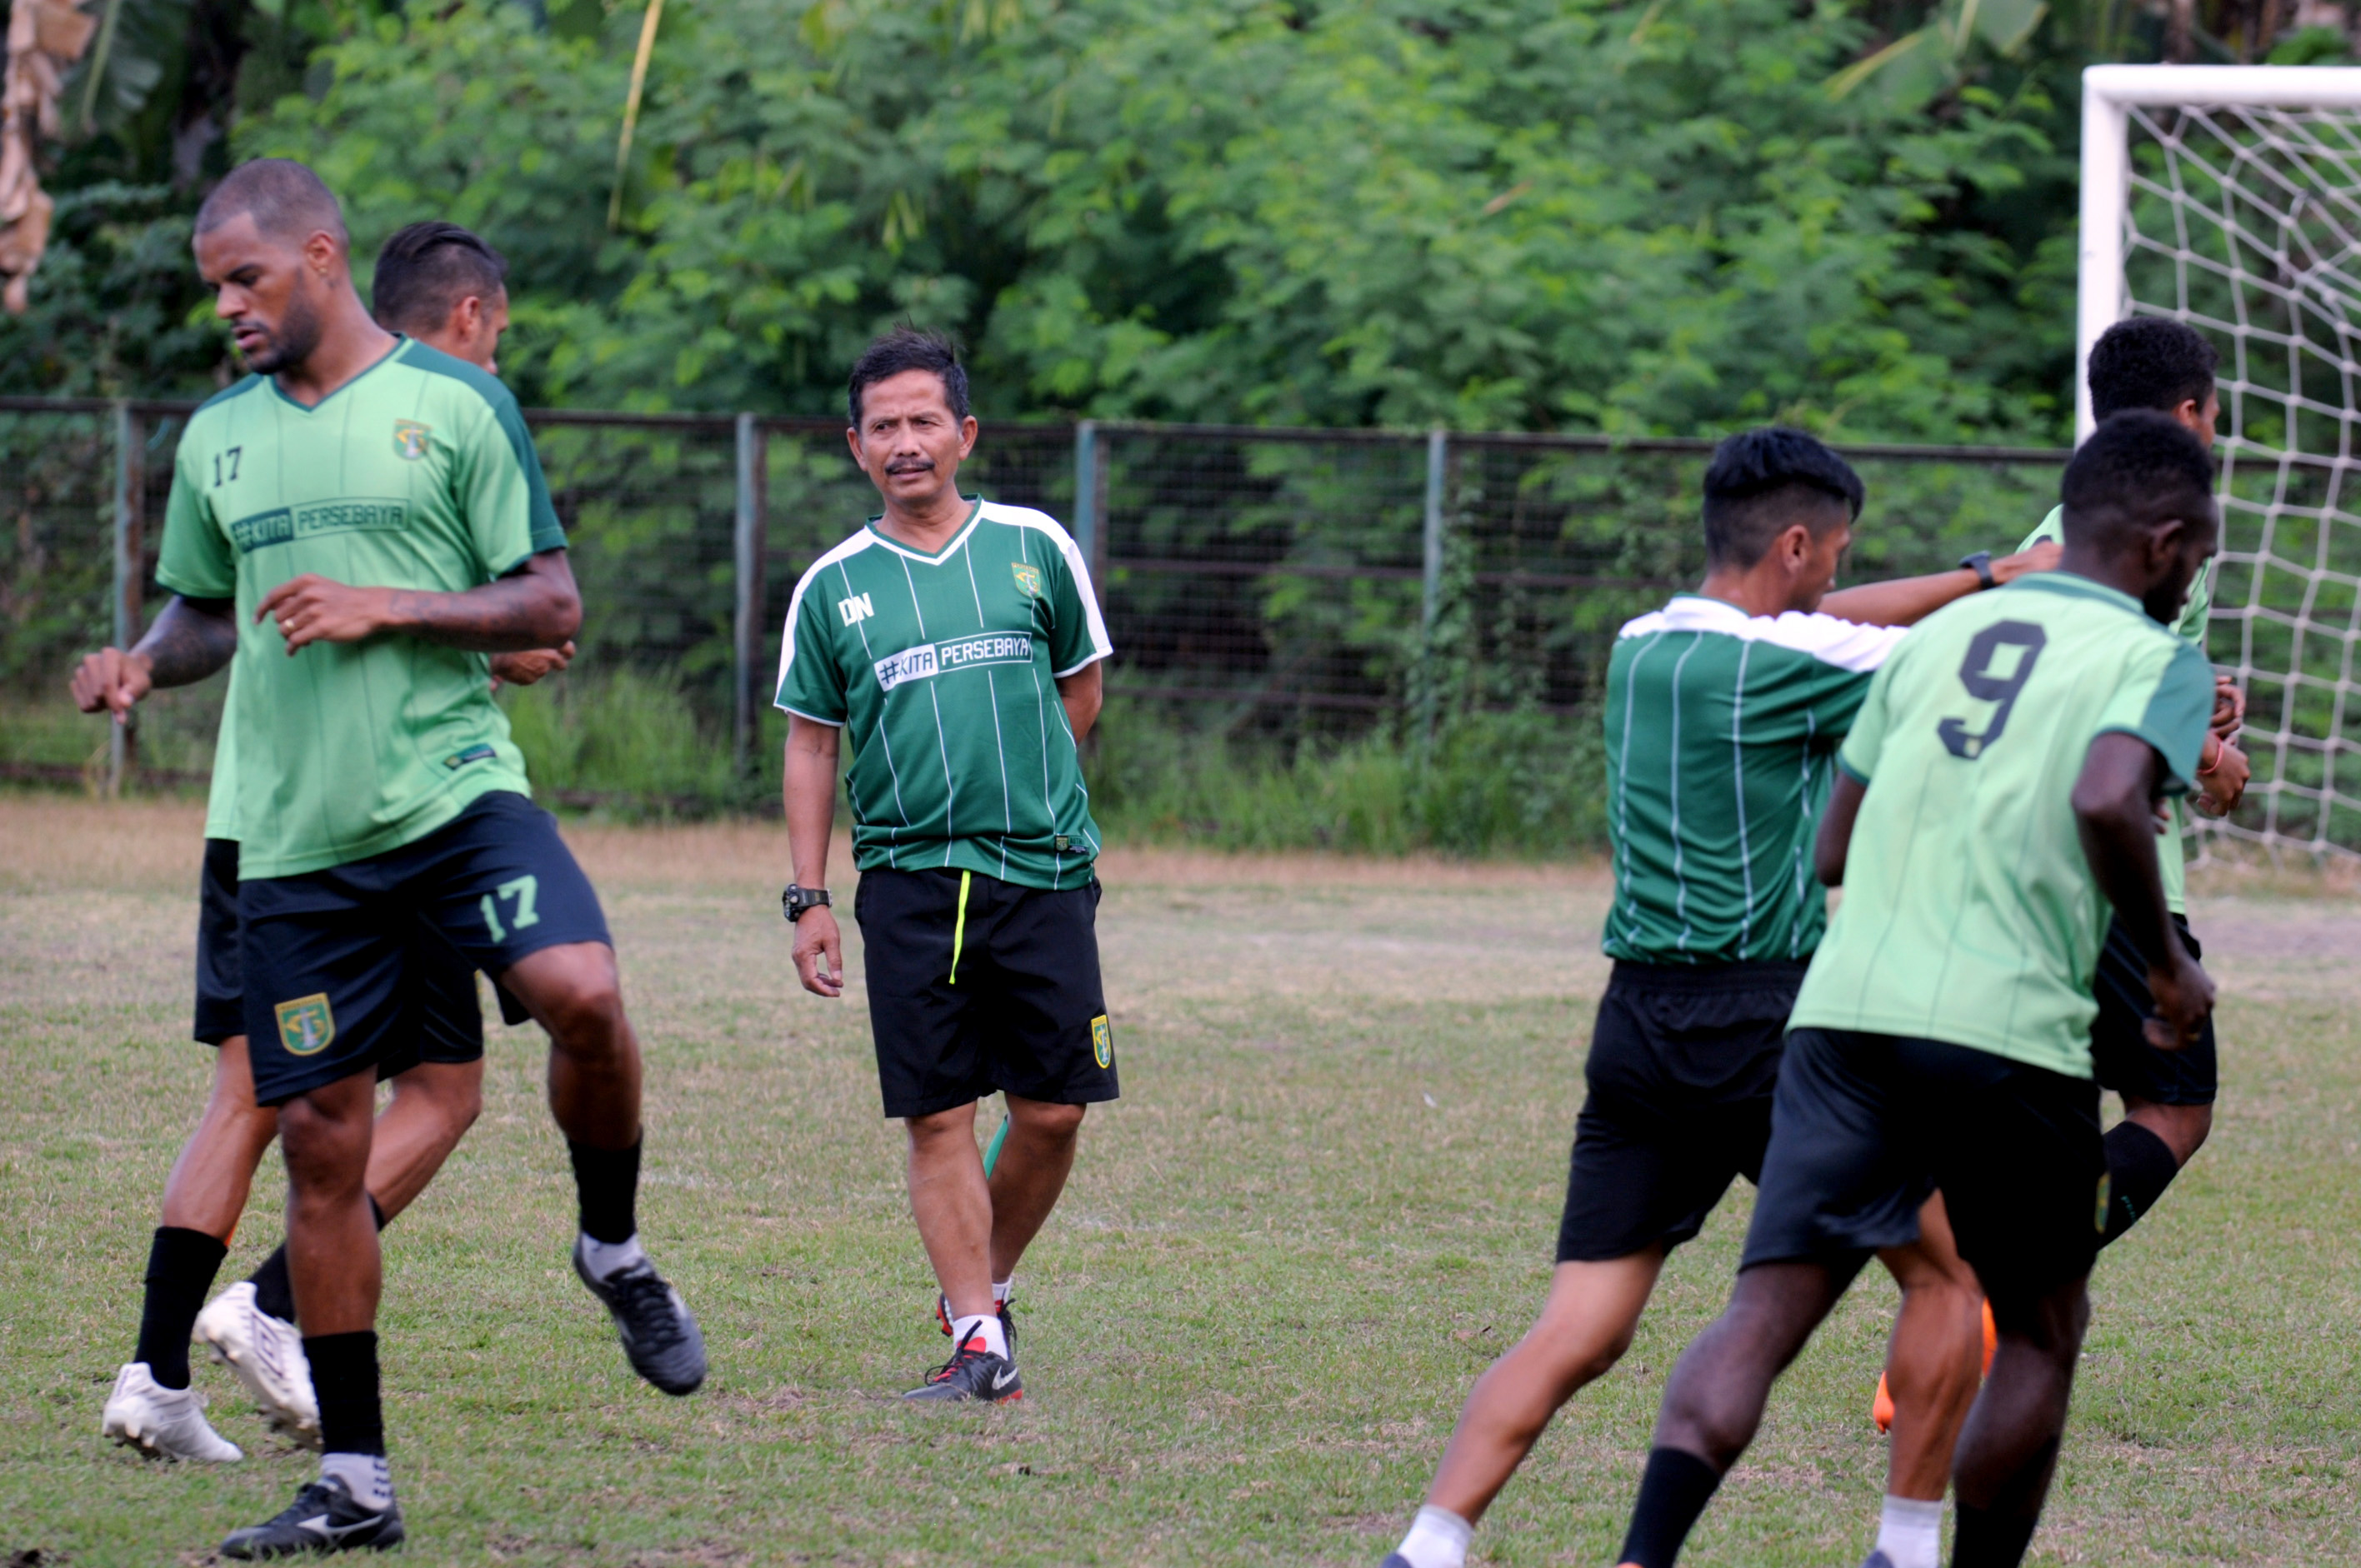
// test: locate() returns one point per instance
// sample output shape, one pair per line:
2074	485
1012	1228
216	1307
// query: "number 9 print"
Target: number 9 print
1976	674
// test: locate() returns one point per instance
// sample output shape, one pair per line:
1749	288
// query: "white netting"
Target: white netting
2246	223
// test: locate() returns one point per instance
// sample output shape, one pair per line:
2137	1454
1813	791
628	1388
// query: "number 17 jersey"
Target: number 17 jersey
1970	915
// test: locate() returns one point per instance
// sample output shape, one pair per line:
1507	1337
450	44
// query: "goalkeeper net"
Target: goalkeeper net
2237	198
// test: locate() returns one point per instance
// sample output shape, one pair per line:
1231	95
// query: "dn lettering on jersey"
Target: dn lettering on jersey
855	610
930	659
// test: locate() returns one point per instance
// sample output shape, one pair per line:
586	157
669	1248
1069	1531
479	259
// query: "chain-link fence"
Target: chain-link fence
1277	588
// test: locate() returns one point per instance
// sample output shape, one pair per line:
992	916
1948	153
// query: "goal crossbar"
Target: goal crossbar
2109	93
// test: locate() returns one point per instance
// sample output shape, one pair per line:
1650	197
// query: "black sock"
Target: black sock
274	1292
607	1182
1983	1539
2140	1167
1673	1493
344	1374
180	1267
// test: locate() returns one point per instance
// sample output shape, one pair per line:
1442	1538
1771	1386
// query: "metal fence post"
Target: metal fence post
122	740
1086	491
752	473
1438	453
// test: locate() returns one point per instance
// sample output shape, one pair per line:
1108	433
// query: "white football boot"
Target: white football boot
266	1354
162	1423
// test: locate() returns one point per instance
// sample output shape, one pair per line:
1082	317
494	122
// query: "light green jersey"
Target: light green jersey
943	669
221	797
2172	856
416	474
1970	913
1721	732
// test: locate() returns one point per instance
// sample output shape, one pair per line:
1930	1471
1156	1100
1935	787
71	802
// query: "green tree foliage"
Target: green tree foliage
1515	214
146	113
1657	216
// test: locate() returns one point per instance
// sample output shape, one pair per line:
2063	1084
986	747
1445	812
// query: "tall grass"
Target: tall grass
1517	784
633	745
624	740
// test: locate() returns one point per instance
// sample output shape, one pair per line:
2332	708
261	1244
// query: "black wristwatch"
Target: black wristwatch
1981	564
797	900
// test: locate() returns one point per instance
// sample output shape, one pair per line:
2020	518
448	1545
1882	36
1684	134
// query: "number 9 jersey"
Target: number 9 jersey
1970	913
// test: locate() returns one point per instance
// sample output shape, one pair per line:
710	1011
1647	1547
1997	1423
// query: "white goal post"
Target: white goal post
2229	197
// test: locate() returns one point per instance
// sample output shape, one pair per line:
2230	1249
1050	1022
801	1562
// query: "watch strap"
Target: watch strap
797	900
1981	564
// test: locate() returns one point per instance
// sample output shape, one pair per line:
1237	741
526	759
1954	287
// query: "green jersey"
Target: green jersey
1970	913
2171	857
943	669
415	474
1720	730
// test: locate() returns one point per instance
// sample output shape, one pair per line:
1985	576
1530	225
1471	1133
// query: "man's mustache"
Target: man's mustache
910	466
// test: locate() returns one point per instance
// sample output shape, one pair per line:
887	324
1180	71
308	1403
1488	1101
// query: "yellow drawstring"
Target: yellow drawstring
959	930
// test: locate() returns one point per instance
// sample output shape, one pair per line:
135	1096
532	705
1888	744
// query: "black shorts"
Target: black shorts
1866	1125
1023	1012
331	956
444	1022
1682	1065
2120	1053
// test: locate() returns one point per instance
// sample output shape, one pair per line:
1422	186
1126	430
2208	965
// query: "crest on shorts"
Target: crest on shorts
410	439
307	1025
1028	578
1102	1041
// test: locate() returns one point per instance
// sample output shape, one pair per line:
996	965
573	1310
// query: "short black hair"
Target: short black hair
2139	468
288	202
1756	483
907	348
2150	362
428	268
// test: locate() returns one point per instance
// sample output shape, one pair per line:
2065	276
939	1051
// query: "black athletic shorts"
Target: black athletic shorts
2124	1061
331	956
1867	1124
1683	1061
444	1023
977	984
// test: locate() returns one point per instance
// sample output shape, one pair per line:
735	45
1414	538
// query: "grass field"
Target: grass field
1326	1200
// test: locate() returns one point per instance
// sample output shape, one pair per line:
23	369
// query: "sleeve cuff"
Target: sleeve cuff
1097	654
1845	766
813	718
187	590
2174	783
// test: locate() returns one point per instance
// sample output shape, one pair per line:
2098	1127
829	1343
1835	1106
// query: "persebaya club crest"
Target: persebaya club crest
306	1025
410	438
1028	578
1102	1041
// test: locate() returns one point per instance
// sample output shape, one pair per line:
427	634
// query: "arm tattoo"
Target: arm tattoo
189	640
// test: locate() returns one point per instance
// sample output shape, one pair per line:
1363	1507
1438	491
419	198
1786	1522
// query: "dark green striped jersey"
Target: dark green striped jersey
416	474
2172	859
1969	913
1721	728
943	670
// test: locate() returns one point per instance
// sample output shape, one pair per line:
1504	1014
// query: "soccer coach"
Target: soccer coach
959	642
